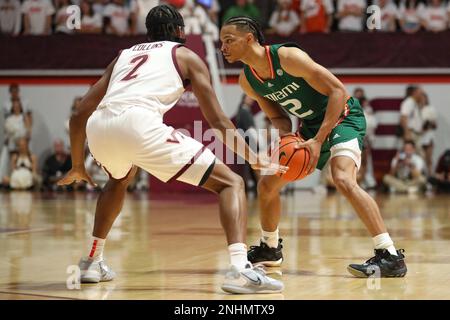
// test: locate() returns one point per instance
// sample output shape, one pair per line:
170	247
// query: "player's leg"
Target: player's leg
346	142
268	252
109	204
112	144
232	205
344	173
388	261
182	158
242	278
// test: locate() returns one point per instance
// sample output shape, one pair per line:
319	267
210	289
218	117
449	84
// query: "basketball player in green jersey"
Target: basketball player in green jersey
284	79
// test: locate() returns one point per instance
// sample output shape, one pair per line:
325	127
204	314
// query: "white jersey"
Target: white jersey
145	75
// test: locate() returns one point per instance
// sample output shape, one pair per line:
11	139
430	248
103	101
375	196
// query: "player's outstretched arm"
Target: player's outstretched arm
77	126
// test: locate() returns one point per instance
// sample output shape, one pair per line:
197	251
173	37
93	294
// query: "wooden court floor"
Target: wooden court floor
175	249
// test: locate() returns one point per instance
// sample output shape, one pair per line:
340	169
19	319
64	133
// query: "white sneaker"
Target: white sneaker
250	280
95	271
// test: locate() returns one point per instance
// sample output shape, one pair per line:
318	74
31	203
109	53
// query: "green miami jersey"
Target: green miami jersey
298	98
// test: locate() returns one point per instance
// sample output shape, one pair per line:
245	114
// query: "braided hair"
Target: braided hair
247	24
163	23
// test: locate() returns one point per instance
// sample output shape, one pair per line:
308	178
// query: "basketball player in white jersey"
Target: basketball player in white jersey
122	118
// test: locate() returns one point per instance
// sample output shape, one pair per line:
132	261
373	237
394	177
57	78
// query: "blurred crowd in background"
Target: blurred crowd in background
411	170
282	17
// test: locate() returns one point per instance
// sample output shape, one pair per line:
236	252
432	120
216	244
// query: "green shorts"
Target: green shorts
346	139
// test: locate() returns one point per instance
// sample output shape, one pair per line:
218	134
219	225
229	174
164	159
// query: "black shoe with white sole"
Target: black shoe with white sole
265	255
383	264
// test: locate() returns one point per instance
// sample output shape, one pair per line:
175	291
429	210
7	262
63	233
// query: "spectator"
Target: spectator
56	165
409	15
24	173
284	21
429	118
99	6
134	15
37	17
448	13
91	22
4	165
365	173
61	16
116	18
407	169
212	8
197	21
316	16
441	178
242	8
435	16
389	14
10	17
14	94
410	115
143	7
17	125
359	93
350	14
267	7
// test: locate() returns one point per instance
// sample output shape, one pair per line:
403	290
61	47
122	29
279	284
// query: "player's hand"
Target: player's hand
76	174
314	147
267	167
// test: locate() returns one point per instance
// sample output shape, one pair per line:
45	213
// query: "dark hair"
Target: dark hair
163	23
410	90
411	4
362	100
13	86
91	11
247	24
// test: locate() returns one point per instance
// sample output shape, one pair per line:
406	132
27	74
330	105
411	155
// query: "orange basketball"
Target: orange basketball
295	159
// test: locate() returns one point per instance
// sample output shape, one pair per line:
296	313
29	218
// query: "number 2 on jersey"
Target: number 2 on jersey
297	105
138	61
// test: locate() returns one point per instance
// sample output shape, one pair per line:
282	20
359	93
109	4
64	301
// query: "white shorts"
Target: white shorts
137	136
348	149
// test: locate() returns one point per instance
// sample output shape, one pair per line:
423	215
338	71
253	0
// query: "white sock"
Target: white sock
238	255
384	241
270	238
96	249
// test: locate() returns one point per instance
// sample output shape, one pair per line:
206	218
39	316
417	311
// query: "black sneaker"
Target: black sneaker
265	255
383	264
